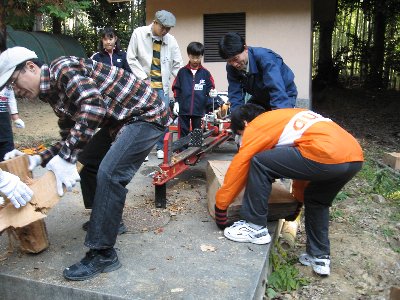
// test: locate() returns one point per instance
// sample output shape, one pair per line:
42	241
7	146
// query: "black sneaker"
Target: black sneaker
121	229
94	263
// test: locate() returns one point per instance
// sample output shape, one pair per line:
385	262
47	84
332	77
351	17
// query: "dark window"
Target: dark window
215	27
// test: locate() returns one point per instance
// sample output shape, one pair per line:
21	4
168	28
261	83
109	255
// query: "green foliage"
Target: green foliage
123	17
86	36
359	51
341	196
21	14
381	180
395	216
18	15
285	276
336	213
271	293
387	231
64	9
286	279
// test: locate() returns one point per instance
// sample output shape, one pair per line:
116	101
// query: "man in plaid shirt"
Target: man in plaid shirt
87	95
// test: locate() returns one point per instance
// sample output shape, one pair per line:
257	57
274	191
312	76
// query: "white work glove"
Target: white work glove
176	108
65	172
14	189
19	123
238	140
12	154
213	93
34	160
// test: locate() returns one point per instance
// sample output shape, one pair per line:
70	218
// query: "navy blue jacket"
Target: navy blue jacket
270	82
192	92
118	59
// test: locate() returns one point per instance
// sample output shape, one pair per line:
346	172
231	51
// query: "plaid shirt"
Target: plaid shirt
86	95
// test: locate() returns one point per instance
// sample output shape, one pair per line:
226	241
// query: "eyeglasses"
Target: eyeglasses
167	29
13	83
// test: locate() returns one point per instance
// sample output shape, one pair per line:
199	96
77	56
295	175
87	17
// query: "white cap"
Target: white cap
11	58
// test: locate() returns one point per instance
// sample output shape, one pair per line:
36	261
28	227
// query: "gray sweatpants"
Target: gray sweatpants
326	180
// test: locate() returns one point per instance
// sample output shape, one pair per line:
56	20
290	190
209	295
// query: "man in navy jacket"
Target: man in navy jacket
256	75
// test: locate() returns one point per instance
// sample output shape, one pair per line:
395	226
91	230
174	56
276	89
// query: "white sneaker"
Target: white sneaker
147	158
242	232
160	154
320	265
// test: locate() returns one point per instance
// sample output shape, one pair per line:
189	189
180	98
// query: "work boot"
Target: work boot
94	263
121	229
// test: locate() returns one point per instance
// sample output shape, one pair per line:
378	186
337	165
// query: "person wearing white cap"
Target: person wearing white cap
154	55
87	95
11	186
8	110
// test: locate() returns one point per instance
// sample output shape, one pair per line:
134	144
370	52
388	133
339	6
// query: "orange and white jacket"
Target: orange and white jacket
317	138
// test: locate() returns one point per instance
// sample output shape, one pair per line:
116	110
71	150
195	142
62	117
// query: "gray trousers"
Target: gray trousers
326	180
116	169
165	99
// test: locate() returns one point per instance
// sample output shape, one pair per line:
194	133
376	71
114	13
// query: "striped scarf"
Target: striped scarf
155	72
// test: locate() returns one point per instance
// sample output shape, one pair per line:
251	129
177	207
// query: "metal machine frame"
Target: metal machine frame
215	132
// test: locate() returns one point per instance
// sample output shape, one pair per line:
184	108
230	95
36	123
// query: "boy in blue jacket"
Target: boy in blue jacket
193	87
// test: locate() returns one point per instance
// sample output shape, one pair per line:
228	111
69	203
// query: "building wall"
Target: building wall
281	25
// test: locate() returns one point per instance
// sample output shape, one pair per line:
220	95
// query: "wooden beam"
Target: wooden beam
281	203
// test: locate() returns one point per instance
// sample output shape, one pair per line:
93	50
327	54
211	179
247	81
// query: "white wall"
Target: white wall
281	25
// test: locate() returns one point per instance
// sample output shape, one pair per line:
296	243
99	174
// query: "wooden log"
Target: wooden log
281	203
27	224
289	232
394	293
33	238
392	159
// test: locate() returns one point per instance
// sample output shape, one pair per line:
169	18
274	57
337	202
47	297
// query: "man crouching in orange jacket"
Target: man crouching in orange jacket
287	143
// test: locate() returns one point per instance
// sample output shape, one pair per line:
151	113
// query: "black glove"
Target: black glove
221	218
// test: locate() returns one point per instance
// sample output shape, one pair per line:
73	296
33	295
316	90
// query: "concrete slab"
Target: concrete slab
183	257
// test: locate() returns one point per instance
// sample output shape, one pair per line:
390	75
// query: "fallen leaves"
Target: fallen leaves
207	248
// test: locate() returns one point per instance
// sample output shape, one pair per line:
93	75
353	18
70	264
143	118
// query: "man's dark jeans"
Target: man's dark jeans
165	99
116	167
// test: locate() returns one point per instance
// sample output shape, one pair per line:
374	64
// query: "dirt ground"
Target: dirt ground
365	228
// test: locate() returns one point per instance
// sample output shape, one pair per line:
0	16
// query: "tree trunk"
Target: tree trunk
326	72
57	25
355	44
38	24
375	76
3	28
